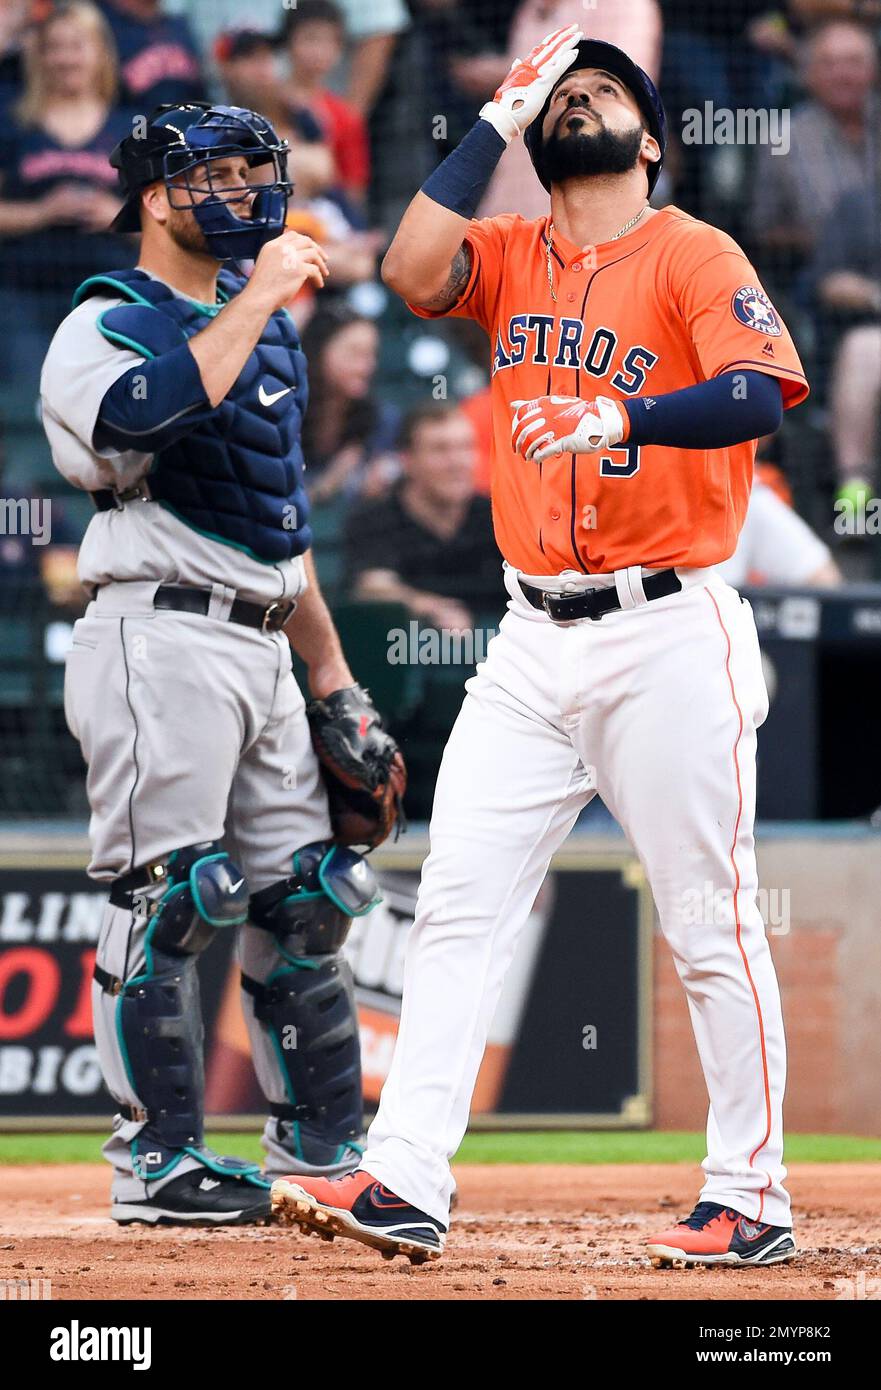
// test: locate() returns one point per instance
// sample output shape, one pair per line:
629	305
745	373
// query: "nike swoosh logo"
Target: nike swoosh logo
750	1230
381	1197
237	885
276	395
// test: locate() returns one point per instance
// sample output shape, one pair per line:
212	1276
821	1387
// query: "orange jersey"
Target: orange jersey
673	303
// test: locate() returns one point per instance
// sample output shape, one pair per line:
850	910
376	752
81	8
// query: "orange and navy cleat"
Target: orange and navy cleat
716	1235
359	1207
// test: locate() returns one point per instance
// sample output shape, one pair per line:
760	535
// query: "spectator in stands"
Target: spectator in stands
57	189
635	27
847	263
314	36
15	16
490	22
373	31
459	61
777	547
847	276
246	61
348	434
855	398
158	56
351	254
247	65
402	126
832	143
429	544
373	28
735	55
813	11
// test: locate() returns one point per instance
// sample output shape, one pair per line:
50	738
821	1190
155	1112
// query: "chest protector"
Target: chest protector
237	475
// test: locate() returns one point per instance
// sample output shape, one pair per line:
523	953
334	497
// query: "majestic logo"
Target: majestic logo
752	307
266	399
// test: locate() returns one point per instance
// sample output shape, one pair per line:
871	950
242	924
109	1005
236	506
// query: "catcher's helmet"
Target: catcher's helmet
593	53
177	140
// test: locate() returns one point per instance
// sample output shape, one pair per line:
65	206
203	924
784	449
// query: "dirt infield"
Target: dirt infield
521	1232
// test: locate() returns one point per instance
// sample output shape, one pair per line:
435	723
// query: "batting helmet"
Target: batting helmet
177	140
593	53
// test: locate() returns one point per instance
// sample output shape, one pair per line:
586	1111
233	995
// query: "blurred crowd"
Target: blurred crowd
371	96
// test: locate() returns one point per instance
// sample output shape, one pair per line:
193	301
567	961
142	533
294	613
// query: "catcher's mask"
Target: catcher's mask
593	53
182	138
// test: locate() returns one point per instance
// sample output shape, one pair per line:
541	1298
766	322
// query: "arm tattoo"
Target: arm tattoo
460	274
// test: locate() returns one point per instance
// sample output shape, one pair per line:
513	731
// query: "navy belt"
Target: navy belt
596	603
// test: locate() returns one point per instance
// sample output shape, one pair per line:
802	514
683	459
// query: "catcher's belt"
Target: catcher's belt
186	598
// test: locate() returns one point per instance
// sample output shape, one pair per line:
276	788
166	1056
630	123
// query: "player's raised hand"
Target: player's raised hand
284	265
528	85
553	425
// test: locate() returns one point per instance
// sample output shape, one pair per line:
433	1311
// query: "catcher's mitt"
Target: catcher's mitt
362	766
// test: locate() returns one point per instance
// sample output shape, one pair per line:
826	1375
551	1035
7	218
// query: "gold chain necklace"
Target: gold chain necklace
626	228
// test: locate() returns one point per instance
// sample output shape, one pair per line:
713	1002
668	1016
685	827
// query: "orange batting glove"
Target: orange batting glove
553	425
530	82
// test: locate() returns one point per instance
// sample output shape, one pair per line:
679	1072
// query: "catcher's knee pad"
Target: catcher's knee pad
310	912
307	1005
202	890
158	1016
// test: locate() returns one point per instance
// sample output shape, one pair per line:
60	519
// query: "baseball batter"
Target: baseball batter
636	359
174	393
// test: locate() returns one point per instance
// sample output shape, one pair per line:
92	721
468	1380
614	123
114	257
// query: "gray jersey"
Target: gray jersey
142	541
193	729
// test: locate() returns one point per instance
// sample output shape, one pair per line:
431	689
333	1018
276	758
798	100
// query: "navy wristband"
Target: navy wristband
729	409
461	180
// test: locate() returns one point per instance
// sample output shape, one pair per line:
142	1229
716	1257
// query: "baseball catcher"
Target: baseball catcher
174	394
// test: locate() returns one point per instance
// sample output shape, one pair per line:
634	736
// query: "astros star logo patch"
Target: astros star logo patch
752	307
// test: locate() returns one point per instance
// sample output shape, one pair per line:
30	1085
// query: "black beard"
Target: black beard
578	154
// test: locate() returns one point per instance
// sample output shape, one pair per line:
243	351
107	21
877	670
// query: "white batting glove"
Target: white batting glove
552	425
530	81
